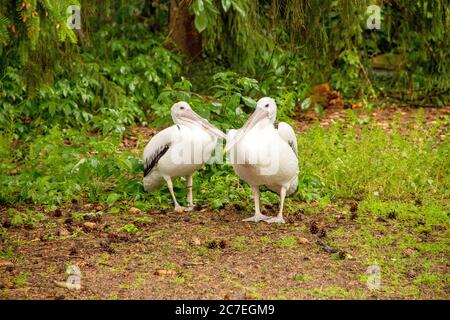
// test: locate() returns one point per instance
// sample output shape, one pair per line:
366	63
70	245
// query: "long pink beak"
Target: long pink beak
256	117
195	119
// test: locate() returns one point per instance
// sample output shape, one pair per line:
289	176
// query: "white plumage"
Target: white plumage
263	154
179	151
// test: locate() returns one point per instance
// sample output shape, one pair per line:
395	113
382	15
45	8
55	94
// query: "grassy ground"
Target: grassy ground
374	190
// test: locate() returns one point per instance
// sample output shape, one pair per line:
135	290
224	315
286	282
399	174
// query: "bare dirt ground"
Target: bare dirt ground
200	255
210	255
383	116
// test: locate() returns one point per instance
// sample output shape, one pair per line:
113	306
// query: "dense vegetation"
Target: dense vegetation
67	92
71	100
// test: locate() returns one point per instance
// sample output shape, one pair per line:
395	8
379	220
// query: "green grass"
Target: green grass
130	228
401	176
7	253
302	277
178	281
289	242
142	220
404	173
365	161
240	243
21	280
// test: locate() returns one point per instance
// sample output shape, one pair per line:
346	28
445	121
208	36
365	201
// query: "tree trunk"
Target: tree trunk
182	29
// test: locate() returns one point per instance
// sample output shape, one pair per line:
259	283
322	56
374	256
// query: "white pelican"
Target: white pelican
265	154
179	150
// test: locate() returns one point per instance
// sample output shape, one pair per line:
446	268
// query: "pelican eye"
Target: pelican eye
267	105
182	108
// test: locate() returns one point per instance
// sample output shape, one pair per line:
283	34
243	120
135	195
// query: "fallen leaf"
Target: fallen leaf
179	210
62	232
90	226
250	296
192	263
196	241
302	240
134	210
6	264
357	105
164	272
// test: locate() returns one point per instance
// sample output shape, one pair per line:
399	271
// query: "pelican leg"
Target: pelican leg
178	208
189	193
258	216
279	218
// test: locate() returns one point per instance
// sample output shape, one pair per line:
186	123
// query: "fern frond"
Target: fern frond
4	34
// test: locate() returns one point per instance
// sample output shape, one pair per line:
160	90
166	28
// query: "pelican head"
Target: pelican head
266	111
267	108
183	114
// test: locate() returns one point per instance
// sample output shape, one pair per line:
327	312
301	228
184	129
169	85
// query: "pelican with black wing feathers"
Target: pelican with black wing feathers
265	154
179	150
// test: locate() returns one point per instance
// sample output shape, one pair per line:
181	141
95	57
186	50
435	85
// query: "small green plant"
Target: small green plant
428	279
8	253
202	251
142	221
130	228
77	216
28	218
289	242
302	277
239	243
178	281
21	280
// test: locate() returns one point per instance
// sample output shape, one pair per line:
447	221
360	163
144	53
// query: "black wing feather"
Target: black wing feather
292	145
152	161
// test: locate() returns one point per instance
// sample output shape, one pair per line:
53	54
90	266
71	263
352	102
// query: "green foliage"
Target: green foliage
130	228
28	218
67	164
107	94
25	25
8	252
361	164
61	136
4	35
289	242
21	280
333	39
302	277
142	220
70	100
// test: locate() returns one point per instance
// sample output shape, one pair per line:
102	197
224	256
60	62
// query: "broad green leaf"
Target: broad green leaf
198	7
226	4
233	102
319	110
238	8
113	197
306	104
201	21
249	101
